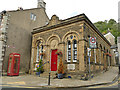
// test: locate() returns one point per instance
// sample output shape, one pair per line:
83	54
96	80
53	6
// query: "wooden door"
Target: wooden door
54	60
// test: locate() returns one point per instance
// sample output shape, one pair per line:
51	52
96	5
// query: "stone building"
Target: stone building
71	37
111	39
118	44
16	27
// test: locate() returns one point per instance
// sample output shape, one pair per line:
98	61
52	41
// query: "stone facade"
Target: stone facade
19	25
111	39
71	37
118	44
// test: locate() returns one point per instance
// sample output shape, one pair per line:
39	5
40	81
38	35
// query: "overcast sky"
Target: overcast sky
96	10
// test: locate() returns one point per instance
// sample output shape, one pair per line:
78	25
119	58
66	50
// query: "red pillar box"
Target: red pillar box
13	64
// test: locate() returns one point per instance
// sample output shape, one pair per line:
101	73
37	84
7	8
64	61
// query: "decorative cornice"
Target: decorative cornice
81	17
63	23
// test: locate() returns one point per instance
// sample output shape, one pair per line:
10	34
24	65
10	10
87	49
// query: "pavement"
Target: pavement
36	81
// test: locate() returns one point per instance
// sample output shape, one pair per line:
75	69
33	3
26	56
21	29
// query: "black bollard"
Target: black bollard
49	79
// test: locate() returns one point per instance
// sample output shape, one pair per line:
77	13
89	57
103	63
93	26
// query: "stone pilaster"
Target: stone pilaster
48	55
102	62
32	56
81	56
105	62
99	58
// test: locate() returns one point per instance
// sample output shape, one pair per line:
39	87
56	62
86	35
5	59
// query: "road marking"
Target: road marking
18	86
117	82
22	83
105	85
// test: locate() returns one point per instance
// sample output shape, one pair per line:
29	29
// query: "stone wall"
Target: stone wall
58	37
20	25
118	44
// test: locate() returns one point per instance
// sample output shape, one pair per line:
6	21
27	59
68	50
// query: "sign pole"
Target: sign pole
89	64
92	45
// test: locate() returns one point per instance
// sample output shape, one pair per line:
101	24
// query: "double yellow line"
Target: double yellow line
103	86
17	86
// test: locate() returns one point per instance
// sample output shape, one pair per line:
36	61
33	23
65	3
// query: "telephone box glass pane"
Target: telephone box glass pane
16	65
10	65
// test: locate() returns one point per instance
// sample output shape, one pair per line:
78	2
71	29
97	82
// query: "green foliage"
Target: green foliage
112	25
40	68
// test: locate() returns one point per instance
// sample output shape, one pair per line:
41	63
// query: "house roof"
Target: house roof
109	33
19	10
81	17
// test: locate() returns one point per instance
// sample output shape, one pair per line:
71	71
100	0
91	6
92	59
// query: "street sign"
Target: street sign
89	51
92	42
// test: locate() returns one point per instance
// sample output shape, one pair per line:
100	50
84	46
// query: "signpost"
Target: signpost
92	45
92	42
89	54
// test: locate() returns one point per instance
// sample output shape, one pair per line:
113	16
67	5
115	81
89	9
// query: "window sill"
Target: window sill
65	62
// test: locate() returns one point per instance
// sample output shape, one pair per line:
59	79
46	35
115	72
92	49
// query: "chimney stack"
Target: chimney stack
41	4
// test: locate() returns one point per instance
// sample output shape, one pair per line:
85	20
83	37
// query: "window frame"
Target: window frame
68	51
73	50
33	16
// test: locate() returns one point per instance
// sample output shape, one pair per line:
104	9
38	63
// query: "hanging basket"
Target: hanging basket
42	54
59	53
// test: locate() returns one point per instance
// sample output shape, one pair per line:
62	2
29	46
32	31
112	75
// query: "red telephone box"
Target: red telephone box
13	64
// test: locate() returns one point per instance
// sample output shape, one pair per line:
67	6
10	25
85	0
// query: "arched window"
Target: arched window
39	51
69	51
71	48
37	57
74	50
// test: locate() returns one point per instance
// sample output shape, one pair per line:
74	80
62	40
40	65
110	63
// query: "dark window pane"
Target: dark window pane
71	37
42	47
75	44
69	50
75	52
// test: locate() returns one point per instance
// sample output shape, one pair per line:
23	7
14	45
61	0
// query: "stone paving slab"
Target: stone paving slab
33	80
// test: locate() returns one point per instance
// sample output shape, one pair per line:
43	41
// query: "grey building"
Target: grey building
15	33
